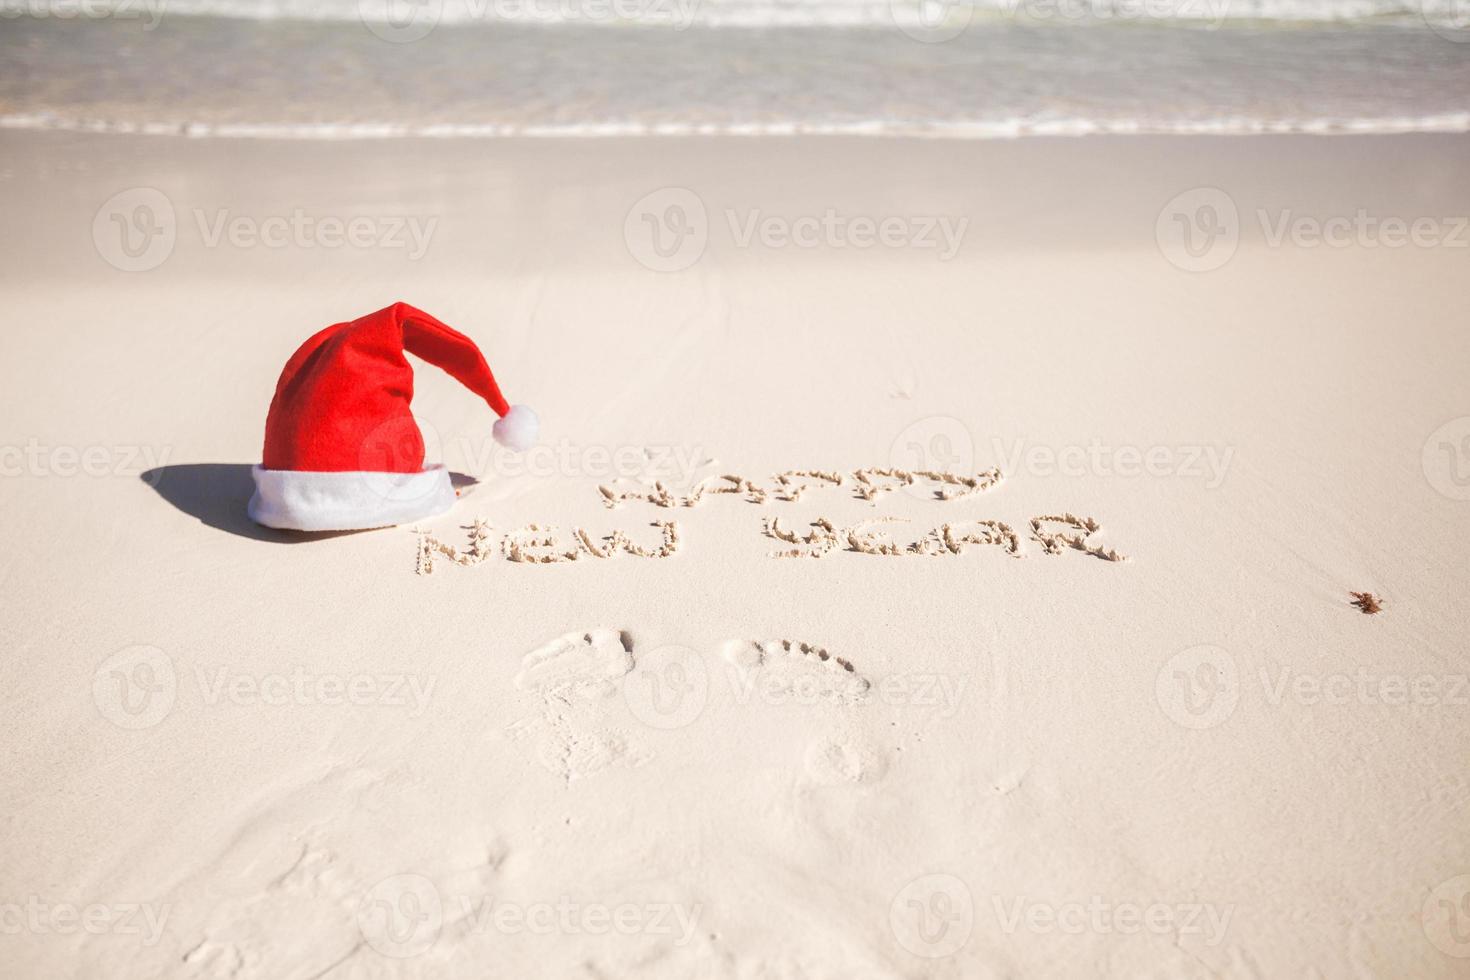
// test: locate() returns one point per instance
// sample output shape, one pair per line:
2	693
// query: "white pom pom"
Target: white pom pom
517	428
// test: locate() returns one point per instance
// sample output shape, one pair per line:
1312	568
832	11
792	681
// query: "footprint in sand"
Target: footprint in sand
792	672
577	662
834	759
573	674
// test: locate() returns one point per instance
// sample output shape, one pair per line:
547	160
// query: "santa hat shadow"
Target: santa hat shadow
342	449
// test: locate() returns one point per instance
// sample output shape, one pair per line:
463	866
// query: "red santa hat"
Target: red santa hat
342	449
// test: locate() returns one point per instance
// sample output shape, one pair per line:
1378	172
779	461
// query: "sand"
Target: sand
902	751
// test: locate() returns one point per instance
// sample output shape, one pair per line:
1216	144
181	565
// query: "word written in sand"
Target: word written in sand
866	484
540	545
946	539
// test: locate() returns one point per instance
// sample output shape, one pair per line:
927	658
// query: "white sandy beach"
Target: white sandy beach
230	752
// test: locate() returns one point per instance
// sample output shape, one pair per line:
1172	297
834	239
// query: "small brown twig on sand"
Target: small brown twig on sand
1367	602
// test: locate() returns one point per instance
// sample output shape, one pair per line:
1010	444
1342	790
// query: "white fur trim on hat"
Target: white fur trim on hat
301	500
517	429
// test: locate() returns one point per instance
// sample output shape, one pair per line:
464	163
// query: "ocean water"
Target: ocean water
988	69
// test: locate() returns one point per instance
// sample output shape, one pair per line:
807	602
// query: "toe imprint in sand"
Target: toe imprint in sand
795	669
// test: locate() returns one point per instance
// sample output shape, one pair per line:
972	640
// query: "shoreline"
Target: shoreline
1450	123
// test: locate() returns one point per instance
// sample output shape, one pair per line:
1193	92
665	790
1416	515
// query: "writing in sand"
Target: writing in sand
538	544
